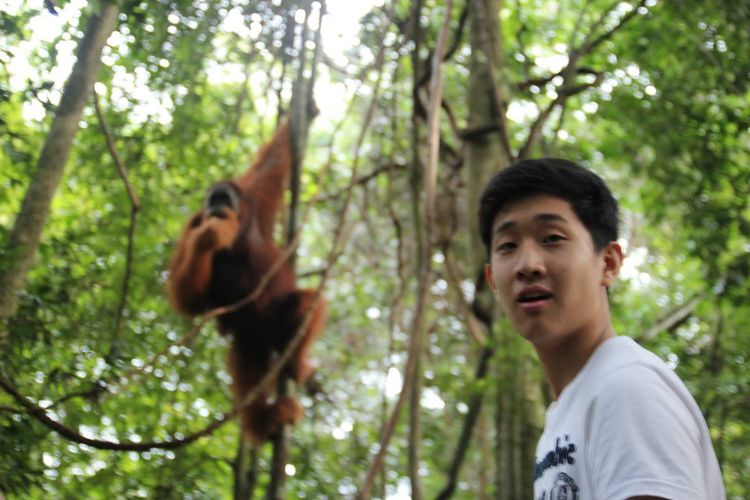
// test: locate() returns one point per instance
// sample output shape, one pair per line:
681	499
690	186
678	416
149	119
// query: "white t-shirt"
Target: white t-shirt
625	426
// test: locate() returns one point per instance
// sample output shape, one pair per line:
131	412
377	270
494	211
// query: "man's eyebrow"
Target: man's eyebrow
551	218
505	226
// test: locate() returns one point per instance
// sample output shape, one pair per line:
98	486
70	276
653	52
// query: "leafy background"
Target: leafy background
190	89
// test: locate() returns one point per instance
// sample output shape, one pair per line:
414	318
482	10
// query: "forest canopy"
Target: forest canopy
116	116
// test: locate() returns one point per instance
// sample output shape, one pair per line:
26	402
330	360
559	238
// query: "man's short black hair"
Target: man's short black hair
588	195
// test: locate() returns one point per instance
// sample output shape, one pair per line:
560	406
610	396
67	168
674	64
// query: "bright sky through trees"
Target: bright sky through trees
340	32
653	95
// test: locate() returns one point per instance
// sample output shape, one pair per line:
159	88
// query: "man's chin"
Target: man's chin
539	335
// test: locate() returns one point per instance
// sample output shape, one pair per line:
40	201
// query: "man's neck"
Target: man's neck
562	362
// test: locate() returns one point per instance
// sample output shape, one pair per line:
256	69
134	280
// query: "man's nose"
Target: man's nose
530	262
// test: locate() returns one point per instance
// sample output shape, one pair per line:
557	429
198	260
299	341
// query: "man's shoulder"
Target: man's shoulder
643	391
620	358
641	418
636	379
625	371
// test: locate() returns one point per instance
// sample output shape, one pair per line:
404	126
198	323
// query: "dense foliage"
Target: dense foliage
190	89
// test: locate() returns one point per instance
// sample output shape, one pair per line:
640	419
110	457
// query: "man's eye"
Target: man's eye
506	246
553	238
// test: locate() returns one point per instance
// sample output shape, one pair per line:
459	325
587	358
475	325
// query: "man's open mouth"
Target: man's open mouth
534	297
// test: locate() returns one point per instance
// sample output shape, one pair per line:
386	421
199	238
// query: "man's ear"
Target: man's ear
488	276
612	260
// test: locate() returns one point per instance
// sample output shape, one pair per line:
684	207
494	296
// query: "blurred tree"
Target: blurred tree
24	238
653	95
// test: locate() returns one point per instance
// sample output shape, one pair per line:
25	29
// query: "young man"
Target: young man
622	425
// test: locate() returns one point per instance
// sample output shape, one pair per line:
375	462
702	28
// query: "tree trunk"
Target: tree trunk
485	156
415	184
475	406
487	152
504	410
531	422
27	231
245	471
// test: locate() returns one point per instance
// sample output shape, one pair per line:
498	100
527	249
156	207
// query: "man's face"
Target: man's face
546	274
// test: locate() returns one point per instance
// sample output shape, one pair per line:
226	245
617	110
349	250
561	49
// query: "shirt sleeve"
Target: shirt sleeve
642	438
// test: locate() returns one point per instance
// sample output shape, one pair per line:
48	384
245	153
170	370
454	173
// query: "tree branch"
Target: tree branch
540	82
458	34
135	205
301	112
387	168
41	415
563	94
522	28
594	27
577	26
472	323
590	43
571	69
466	430
498	103
560	121
430	178
425	78
673	318
536	128
121	170
24	238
